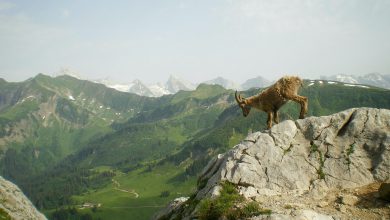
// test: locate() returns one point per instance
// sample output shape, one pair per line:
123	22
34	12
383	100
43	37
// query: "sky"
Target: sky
194	40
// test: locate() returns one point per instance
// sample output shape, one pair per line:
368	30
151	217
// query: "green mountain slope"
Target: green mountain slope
183	133
45	119
103	146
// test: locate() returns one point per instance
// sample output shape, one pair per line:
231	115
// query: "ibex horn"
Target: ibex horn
238	98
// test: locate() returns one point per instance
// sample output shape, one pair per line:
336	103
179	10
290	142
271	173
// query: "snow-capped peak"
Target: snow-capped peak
139	88
373	79
175	84
346	78
158	90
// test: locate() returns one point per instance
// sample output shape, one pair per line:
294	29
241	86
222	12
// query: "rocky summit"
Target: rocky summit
328	167
15	205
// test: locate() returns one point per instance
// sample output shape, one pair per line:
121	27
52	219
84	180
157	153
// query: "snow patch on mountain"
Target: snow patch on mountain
120	87
139	88
372	79
354	85
158	90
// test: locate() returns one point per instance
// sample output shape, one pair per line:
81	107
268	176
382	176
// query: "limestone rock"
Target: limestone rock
348	200
15	203
308	160
171	208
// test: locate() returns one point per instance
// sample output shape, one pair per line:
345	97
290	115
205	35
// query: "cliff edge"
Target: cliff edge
328	167
15	205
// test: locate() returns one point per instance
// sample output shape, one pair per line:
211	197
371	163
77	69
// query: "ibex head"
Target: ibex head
243	104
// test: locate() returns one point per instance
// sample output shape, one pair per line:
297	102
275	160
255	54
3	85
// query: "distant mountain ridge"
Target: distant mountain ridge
227	84
174	84
372	79
257	82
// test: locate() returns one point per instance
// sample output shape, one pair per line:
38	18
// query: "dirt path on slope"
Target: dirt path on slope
117	186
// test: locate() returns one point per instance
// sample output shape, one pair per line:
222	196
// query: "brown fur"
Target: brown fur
274	97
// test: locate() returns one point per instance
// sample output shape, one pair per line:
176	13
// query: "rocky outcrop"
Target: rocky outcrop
326	167
15	205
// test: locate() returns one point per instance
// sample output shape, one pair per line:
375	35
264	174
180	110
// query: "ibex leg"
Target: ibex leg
276	117
302	101
269	121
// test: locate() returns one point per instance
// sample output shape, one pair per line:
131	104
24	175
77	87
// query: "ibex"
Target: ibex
274	97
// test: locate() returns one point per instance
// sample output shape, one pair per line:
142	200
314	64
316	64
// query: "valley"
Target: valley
67	142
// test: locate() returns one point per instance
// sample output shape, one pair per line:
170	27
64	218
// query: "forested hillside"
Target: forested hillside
67	142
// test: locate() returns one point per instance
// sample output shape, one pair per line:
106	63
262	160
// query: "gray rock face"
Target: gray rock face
15	203
344	150
172	207
306	161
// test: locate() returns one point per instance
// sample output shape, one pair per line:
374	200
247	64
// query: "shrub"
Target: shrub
165	193
226	205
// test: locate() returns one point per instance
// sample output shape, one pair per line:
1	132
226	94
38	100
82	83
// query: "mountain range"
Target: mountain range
172	86
372	79
68	142
175	84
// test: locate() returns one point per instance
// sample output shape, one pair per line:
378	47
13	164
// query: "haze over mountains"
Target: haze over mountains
373	79
174	84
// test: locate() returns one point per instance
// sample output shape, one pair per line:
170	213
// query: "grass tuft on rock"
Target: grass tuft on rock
4	215
227	205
